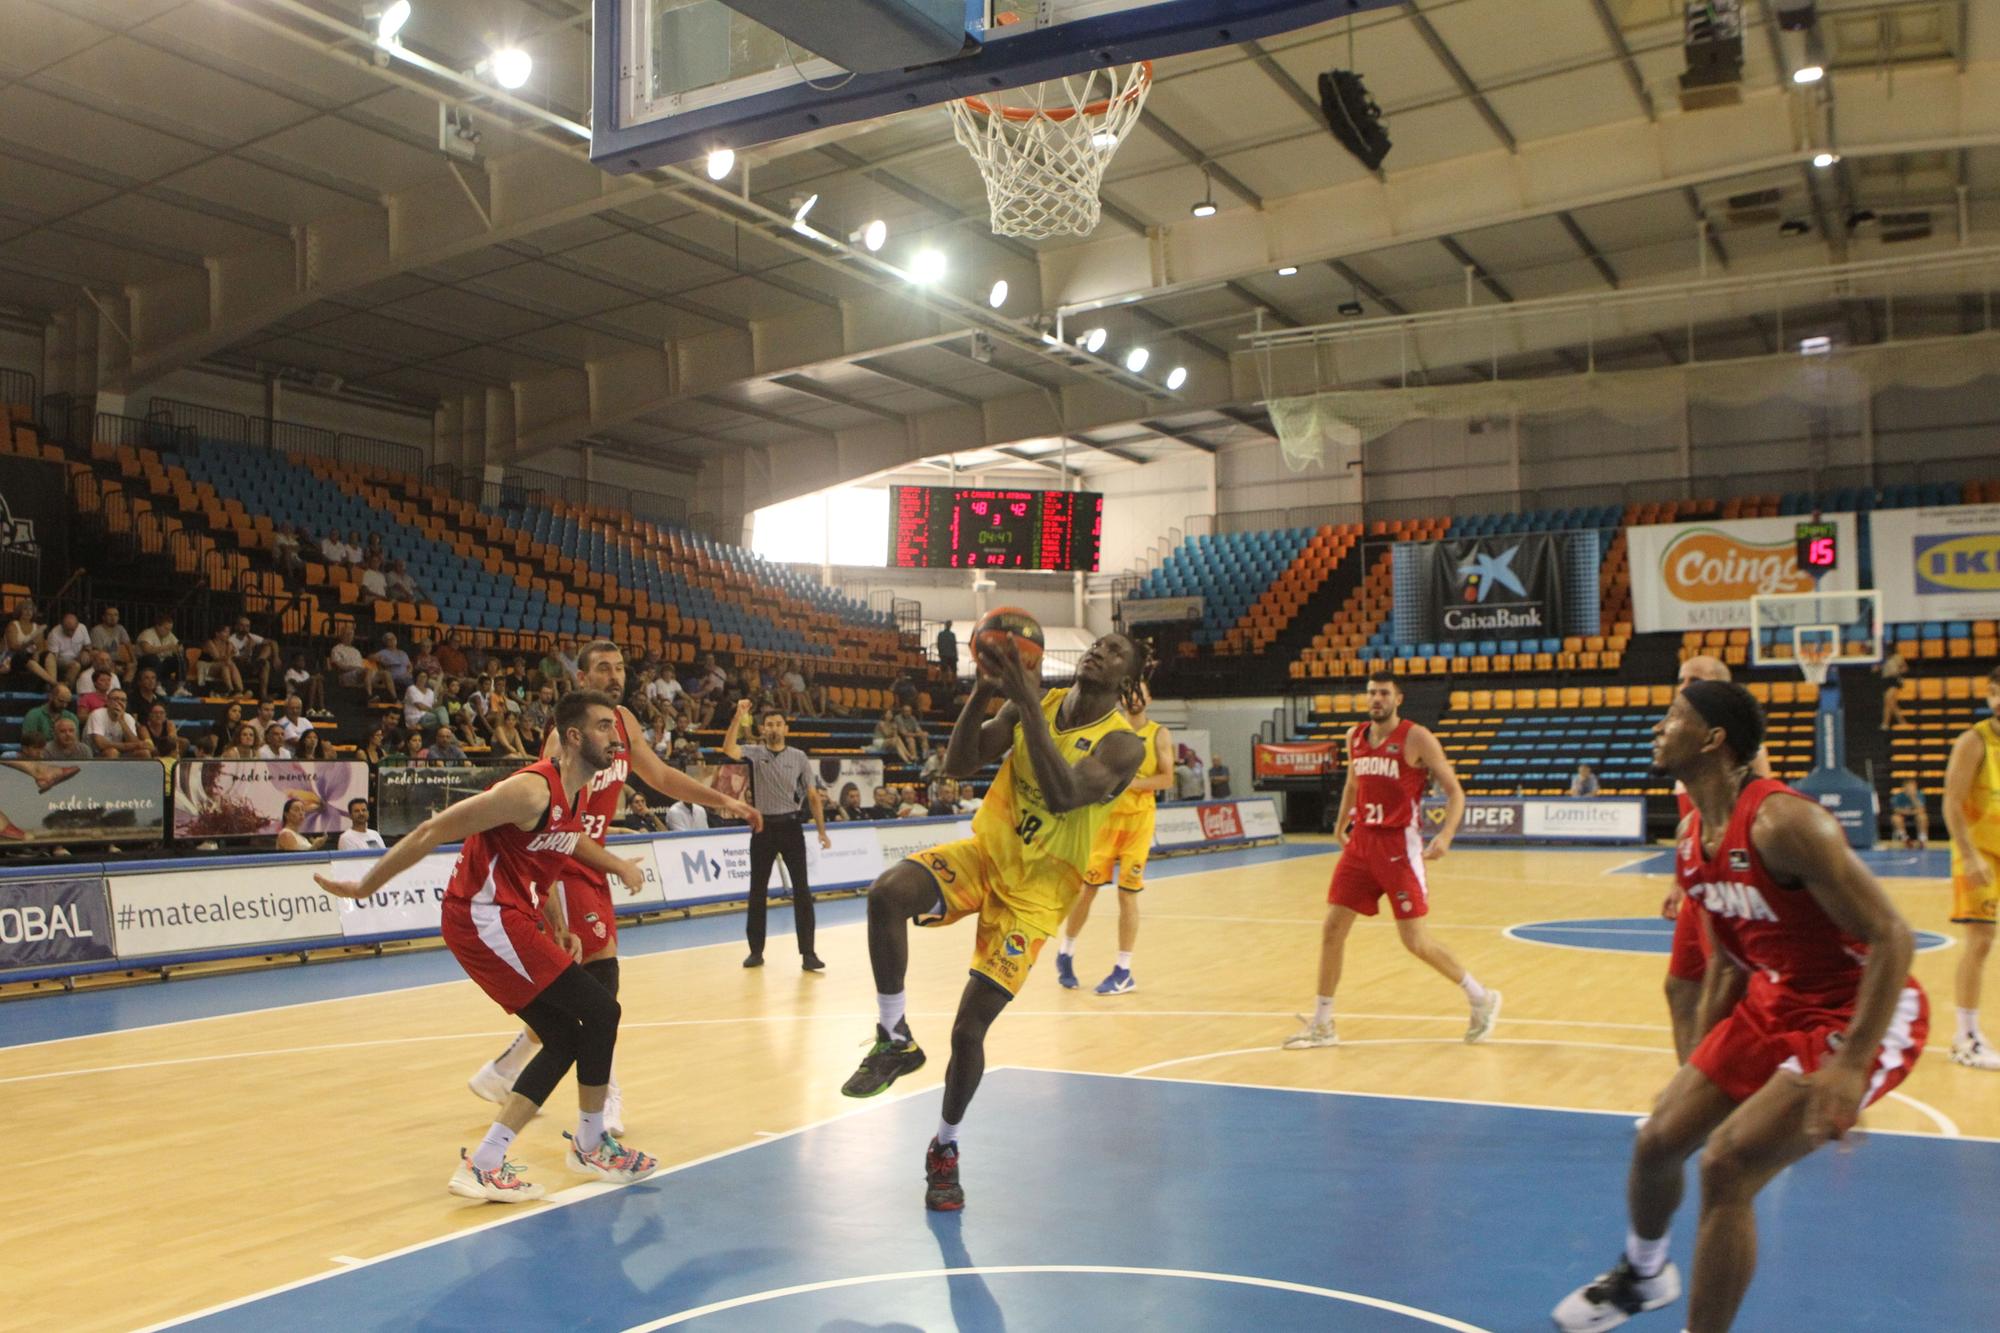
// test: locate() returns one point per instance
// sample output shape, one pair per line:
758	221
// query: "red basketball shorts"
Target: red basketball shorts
1689	960
505	950
592	918
1378	862
1759	1038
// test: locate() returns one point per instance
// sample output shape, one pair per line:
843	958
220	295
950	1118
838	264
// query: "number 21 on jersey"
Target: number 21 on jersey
1371	812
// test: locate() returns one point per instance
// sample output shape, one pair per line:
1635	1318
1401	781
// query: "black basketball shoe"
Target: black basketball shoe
944	1194
887	1060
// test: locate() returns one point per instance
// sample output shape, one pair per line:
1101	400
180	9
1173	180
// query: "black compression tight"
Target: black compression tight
577	1019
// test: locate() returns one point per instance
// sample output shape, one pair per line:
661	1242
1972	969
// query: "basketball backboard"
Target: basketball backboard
677	79
1816	630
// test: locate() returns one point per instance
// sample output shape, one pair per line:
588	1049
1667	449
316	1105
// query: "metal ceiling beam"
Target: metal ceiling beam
1367	288
1110	449
801	385
1215	171
898	377
771	418
1169	432
1633	78
1460	77
1486	280
1590	250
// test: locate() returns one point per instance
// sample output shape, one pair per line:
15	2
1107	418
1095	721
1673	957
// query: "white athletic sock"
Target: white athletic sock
1125	959
947	1132
589	1130
1473	990
889	1010
1065	945
492	1149
1647	1257
1322	1011
1968	1024
515	1058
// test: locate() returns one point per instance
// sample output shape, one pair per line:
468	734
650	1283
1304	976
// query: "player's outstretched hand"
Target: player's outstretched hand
1435	849
1833	1100
341	888
634	877
1002	665
743	708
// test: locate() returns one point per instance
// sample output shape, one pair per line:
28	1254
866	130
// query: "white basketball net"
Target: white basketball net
1043	156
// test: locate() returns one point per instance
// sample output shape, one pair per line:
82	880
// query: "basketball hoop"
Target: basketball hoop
1813	648
1043	159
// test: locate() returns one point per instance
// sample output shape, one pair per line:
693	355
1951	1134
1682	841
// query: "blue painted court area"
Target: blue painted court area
1098	1202
52	1017
1635	934
1889	862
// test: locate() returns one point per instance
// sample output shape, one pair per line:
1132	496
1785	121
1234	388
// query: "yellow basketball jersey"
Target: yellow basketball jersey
1982	808
1131	801
1040	853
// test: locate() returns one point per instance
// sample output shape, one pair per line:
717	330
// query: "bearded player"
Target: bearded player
519	837
1390	762
1808	1014
1068	754
582	898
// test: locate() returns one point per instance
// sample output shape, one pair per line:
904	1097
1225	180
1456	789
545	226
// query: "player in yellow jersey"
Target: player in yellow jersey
1126	842
1972	813
1067	754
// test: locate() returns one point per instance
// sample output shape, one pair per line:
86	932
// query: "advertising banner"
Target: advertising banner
92	800
406	795
188	911
1294	759
865	774
1160	610
54	922
899	837
1493	588
1197	823
698	866
245	798
1544	819
410	902
1702	575
1938	564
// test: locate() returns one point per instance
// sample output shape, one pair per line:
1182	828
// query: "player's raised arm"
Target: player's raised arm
978	740
669	781
1424	748
1801	843
731	745
1099	776
520	801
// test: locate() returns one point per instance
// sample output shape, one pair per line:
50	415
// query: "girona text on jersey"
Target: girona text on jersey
1378	766
1738	902
562	843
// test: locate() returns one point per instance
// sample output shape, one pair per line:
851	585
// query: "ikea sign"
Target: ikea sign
1938	564
1967	563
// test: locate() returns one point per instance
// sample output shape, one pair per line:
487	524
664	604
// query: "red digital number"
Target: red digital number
1819	553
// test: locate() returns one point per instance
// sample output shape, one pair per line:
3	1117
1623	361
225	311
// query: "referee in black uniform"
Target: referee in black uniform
782	783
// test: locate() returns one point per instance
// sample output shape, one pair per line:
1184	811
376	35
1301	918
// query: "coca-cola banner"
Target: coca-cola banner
1206	823
1294	759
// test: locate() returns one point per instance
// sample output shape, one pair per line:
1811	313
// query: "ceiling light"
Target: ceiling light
512	66
721	162
1349	308
998	296
1288	270
1135	360
389	20
1204	209
799	213
1104	139
1808	74
1093	341
1824	160
1176	377
1794	227
927	267
1818	346
874	234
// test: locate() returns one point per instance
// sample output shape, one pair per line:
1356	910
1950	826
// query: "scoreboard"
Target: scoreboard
968	527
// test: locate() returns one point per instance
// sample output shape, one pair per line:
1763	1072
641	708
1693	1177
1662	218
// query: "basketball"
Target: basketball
1005	622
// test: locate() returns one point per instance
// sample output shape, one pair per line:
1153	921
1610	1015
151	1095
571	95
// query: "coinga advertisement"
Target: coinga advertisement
1702	575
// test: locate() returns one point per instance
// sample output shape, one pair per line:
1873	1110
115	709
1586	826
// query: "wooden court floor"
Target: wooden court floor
158	1172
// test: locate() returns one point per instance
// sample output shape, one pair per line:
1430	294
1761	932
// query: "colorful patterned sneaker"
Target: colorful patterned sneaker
887	1060
1311	1035
1615	1297
503	1184
1118	983
490	1083
611	1161
1484	1015
1974	1053
943	1193
1066	971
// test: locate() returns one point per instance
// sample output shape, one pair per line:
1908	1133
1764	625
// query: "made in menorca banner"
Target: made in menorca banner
1493	588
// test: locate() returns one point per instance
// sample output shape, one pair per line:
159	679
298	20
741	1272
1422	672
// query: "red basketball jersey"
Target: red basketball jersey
1387	786
600	807
1790	948
512	866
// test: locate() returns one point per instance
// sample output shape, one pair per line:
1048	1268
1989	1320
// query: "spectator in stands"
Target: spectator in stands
219	662
374	581
410	751
294	720
161	733
944	799
566	659
1893	713
66	743
1893	667
115	732
710	682
470	738
292	824
206	746
39	725
912	731
443	747
687	755
304	682
373	747
790	689
1218	777
848	809
96	691
28	645
344	661
889	740
309	746
391	670
904	690
357	550
332	549
108	635
255	655
243	742
160	648
423	657
659	731
1188	775
232	718
401	586
287	551
451	658
1584	783
275	745
911	807
69	646
1906	807
145	692
535	715
358	837
418	701
947	650
819	698
661	688
888	802
683	817
640	815
506	736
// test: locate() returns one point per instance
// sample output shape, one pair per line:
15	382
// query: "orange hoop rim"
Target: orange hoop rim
1102	106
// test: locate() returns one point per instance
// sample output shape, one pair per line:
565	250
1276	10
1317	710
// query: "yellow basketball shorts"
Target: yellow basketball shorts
1970	903
1011	930
1126	843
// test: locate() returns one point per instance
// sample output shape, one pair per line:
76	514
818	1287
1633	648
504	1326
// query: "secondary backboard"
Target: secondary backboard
677	79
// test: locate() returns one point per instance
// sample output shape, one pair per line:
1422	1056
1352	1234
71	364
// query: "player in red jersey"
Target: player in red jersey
1390	762
1808	1014
582	898
519	837
1688	961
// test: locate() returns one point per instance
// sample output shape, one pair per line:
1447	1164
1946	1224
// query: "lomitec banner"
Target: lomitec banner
1495	588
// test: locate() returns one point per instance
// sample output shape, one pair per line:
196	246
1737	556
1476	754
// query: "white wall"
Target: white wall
1232	725
1143	505
946	594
